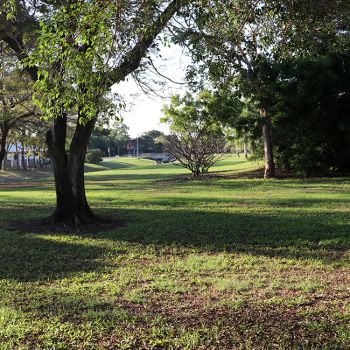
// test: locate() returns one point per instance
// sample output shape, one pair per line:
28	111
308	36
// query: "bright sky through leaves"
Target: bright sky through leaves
144	111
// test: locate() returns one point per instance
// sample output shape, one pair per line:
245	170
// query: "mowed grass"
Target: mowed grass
217	263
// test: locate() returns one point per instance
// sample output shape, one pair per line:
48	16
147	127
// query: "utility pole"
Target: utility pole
137	147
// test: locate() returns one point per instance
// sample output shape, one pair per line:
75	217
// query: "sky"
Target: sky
143	112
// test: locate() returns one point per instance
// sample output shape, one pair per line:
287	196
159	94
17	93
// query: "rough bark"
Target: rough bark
72	207
268	152
76	163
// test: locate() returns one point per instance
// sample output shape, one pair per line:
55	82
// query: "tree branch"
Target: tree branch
132	59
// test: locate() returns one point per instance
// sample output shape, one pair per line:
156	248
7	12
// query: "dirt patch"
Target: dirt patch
43	227
249	326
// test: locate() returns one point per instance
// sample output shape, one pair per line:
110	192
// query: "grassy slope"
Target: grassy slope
208	264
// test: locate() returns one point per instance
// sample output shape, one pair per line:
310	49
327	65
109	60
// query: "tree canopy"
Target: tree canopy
196	141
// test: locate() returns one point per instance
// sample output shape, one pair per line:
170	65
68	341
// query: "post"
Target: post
137	147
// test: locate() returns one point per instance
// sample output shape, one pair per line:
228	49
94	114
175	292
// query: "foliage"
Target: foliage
94	156
111	141
236	45
151	142
311	125
197	141
254	31
17	111
85	47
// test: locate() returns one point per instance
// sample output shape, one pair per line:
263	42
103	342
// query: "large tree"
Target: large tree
83	48
235	43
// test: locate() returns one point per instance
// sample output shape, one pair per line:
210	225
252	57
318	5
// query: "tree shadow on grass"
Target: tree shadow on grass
130	177
296	234
29	257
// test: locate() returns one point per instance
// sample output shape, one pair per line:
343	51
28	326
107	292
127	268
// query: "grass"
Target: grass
217	263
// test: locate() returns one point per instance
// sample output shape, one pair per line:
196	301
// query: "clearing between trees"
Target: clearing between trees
216	263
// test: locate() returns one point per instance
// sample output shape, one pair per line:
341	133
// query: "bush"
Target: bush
94	156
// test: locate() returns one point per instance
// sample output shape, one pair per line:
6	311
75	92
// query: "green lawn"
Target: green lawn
218	263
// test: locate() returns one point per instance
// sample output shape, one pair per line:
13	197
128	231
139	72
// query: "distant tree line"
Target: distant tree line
116	141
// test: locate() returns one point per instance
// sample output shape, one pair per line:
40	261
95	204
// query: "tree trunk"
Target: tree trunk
195	173
23	158
4	133
72	207
17	156
76	165
268	153
34	158
245	150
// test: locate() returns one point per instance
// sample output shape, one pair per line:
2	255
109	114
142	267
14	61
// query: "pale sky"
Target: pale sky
144	111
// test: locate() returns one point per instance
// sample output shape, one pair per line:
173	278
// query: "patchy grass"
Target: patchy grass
216	263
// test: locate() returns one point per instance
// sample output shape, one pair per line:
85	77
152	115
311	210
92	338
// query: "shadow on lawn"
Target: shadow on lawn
293	234
29	257
131	177
297	234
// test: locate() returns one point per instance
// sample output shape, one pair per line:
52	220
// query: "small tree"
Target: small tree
195	151
119	135
196	139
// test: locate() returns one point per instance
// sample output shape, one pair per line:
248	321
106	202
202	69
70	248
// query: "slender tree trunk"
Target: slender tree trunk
23	158
72	207
268	152
4	133
245	150
17	156
34	158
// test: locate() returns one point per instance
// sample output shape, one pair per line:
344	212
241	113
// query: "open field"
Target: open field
216	263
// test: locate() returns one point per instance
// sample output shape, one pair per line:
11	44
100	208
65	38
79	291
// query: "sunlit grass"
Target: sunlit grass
218	263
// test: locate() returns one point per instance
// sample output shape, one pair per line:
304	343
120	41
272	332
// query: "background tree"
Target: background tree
196	141
150	142
310	116
110	141
120	136
237	42
16	105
